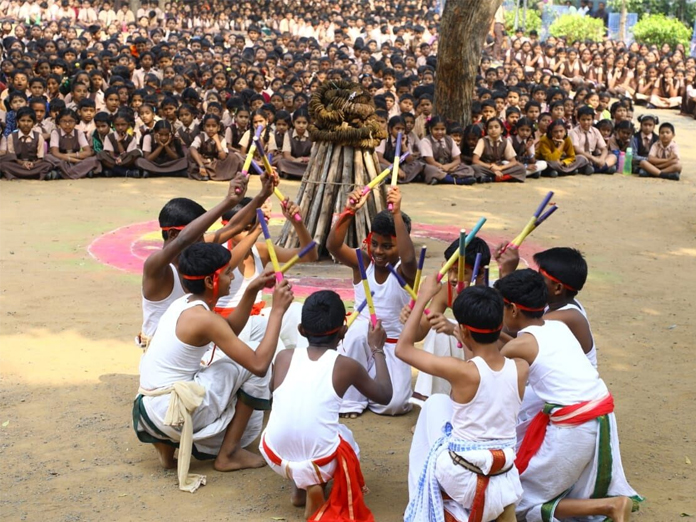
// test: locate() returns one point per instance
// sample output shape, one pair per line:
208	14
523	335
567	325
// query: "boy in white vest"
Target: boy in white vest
303	440
388	242
208	411
463	446
575	433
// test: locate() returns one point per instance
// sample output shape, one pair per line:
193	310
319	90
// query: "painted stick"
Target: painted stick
356	313
419	275
402	281
450	262
380	177
276	190
269	245
296	258
536	219
461	265
250	154
545	216
486	277
366	287
395	170
477	268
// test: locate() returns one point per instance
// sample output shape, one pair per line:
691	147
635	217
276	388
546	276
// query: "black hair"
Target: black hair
503	130
477	246
26	111
524	122
86	104
480	307
201	259
646	117
526	288
530	104
237	208
394	121
553	125
605	123
624	125
103	117
323	311
435	120
667	125
586	110
178	212
565	264
383	223
67	112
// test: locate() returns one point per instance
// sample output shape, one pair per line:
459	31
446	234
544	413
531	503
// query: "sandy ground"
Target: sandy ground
69	370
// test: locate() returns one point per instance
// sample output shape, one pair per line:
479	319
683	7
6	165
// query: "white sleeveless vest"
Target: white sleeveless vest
153	310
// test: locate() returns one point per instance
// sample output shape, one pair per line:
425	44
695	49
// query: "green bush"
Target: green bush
533	21
577	27
659	29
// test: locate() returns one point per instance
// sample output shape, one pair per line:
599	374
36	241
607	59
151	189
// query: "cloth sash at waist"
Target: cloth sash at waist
490	457
562	415
255	310
185	397
345	503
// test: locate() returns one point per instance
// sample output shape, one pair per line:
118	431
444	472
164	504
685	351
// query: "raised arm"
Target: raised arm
335	243
239	317
289	209
407	253
157	277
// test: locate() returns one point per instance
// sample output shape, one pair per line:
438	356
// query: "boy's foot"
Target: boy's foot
90	174
239	459
671	175
165	452
550	174
315	499
587	170
643	173
350	415
131	173
432	182
621	508
146	174
52	175
465	181
108	173
610	170
298	498
534	176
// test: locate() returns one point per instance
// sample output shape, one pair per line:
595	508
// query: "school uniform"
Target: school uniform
443	151
408	172
499	152
561	159
232	136
72	144
658	150
299	147
24	147
188	134
642	144
162	164
87	128
217	169
526	155
111	152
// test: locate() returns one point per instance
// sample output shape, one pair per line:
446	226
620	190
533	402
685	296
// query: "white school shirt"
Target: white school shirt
203	137
108	146
270	146
55	138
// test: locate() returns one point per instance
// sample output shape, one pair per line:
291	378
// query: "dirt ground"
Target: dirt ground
69	369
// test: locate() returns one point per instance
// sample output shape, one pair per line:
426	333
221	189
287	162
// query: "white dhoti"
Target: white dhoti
307	471
442	345
531	405
581	458
355	346
432	470
225	382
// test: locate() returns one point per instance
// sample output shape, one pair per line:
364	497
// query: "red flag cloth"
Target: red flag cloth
575	414
345	503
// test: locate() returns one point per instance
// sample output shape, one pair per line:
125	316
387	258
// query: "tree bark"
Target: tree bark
463	30
622	21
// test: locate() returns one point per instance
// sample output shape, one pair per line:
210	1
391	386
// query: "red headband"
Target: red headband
368	243
328	332
482	330
556	280
215	275
525	308
174	228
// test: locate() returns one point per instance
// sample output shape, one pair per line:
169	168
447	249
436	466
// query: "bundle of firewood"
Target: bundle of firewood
345	132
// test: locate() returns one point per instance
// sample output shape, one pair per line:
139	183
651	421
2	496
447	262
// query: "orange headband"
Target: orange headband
556	280
174	228
215	275
482	330
525	308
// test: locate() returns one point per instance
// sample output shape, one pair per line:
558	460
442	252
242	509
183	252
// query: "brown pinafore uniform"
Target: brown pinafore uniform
217	169
69	143
26	149
495	153
163	164
443	154
108	158
298	149
407	171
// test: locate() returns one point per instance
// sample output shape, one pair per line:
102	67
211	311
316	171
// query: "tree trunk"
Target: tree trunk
463	30
622	22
